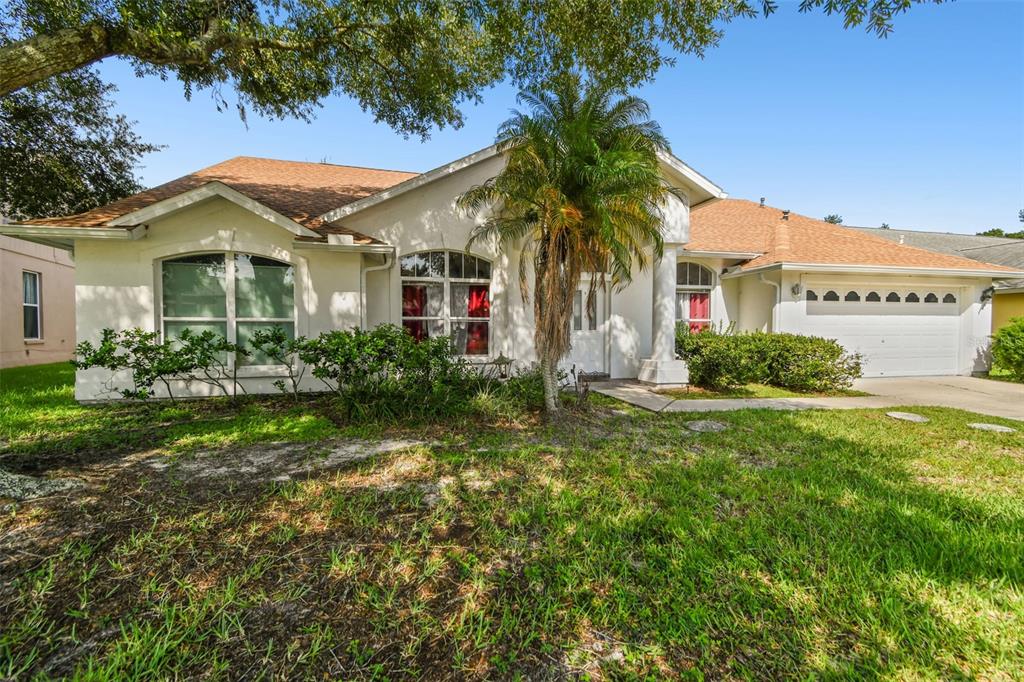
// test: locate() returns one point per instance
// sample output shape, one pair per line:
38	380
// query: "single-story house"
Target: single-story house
311	247
37	303
1008	295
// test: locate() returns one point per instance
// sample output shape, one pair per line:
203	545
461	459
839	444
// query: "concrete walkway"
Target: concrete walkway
995	398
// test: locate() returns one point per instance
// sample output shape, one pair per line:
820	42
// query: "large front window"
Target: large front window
448	293
693	295
232	294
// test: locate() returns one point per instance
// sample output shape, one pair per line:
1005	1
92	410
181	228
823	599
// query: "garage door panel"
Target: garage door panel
895	339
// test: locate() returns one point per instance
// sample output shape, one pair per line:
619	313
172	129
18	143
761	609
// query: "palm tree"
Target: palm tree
580	192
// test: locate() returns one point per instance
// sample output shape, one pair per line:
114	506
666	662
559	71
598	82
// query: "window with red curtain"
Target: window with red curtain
693	295
700	311
448	293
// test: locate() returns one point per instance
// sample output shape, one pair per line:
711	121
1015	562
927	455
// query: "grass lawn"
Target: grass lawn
753	391
618	545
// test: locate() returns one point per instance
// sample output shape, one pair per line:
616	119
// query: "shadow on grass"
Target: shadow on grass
795	544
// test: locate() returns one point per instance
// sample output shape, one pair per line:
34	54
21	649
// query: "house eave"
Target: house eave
350	248
65	236
738	255
875	270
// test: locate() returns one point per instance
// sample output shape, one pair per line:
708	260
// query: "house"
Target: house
1008	295
311	247
37	303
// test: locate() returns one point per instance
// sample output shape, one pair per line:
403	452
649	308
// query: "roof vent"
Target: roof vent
785	214
762	202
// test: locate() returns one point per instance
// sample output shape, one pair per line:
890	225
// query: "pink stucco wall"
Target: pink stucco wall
57	272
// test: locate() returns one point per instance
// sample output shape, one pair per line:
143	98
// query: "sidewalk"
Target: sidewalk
638	394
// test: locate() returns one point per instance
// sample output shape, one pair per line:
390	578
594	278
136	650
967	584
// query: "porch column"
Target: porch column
662	367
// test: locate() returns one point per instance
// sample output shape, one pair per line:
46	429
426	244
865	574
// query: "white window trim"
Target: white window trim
38	305
696	289
446	318
229	292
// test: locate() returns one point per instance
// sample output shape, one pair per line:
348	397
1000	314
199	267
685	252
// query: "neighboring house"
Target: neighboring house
251	243
37	303
1008	301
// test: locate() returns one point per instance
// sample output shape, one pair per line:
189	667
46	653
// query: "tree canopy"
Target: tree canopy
411	64
833	218
62	150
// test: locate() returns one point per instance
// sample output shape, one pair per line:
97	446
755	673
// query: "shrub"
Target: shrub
385	372
149	360
1008	348
720	359
275	344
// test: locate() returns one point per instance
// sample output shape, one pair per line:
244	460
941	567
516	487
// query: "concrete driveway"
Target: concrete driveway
998	398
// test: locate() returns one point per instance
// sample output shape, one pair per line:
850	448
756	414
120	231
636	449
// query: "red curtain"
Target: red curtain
476	338
479	305
414	300
700	309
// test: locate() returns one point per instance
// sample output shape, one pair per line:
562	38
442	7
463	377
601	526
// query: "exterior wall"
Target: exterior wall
117	282
975	315
1005	307
755	303
428	218
57	288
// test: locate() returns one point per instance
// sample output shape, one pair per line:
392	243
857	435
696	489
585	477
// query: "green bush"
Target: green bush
1008	348
720	359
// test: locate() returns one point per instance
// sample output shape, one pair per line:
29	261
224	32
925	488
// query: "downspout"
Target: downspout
778	301
388	262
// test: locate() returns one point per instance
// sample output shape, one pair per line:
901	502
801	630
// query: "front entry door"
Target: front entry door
587	334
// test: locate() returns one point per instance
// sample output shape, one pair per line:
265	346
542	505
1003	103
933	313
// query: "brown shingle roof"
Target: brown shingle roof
299	190
739	225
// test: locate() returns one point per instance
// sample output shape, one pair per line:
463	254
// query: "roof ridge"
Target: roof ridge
312	163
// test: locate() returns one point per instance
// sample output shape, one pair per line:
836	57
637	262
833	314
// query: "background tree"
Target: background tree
62	150
885	226
580	192
410	64
833	218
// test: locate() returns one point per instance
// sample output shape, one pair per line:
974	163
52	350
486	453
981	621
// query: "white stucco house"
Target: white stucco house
313	247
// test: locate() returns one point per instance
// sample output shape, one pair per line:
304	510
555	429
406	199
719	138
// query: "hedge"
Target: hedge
718	359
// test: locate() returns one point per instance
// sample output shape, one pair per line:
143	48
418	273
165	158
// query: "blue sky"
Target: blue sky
924	129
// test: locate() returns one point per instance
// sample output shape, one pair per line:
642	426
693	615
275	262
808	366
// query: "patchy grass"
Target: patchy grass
795	544
752	391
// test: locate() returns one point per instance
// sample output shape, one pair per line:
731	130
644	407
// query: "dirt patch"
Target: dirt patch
20	487
275	461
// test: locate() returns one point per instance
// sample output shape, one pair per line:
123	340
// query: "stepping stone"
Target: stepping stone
992	427
706	426
908	417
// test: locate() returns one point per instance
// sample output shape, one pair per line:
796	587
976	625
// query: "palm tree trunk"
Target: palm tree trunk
549	376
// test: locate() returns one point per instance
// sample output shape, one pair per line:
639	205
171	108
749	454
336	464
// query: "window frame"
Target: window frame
689	289
230	319
446	281
38	305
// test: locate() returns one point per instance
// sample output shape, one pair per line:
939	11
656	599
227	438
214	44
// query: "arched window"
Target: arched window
873	297
693	294
851	296
231	294
831	296
892	297
912	298
931	298
812	295
448	293
949	298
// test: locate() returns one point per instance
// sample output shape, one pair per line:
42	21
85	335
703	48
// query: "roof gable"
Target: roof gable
299	192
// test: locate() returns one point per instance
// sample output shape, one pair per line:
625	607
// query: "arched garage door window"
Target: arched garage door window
693	295
230	294
448	293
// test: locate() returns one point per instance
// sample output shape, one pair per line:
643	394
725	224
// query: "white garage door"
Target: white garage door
899	331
